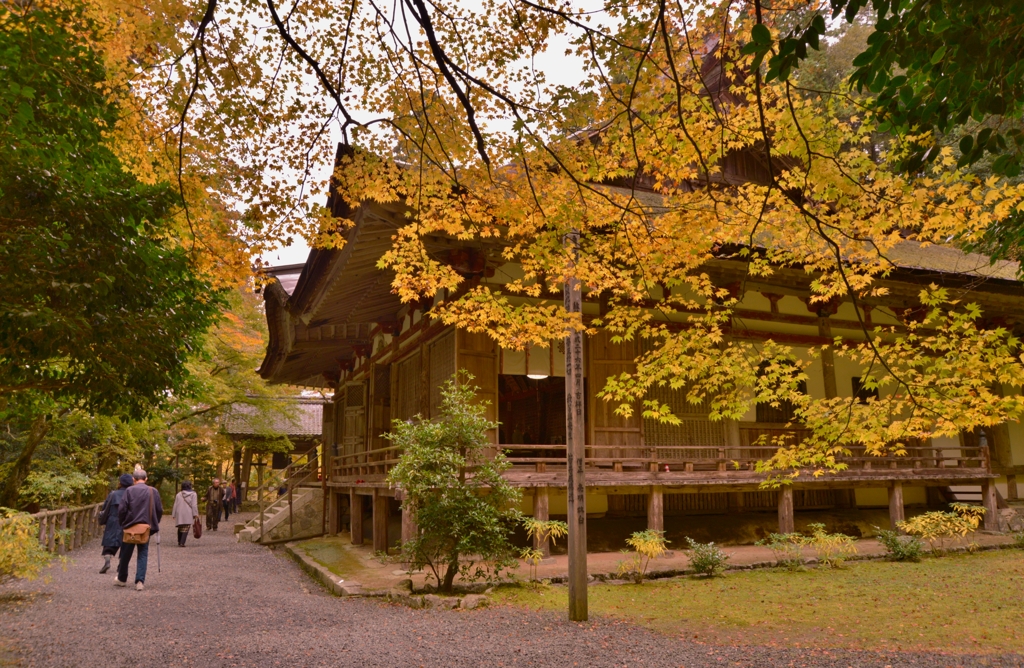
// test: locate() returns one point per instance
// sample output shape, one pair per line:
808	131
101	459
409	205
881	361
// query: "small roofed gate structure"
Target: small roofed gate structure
284	430
342	327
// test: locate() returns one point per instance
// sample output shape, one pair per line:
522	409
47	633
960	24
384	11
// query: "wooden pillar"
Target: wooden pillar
380	522
787	524
988	498
656	509
1011	487
355	504
734	502
333	503
576	486
540	513
896	514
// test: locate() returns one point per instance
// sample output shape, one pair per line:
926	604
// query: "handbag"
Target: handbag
138	534
197	527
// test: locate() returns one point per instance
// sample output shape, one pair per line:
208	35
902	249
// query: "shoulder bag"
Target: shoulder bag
138	534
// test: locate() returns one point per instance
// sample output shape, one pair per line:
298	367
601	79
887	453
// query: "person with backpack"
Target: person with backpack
185	511
140	512
111	522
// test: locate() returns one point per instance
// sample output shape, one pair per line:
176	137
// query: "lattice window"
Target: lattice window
442	368
407	403
694	427
382	382
353	396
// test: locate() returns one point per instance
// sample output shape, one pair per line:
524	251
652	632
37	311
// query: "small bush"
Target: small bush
898	547
1018	539
21	555
706	558
533	558
786	549
833	548
938	527
647	545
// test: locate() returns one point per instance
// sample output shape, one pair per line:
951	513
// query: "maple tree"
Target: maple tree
682	139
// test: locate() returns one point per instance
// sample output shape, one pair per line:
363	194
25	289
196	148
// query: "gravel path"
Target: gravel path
221	603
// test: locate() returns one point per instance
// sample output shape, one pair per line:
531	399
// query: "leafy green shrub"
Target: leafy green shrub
647	545
706	558
21	555
464	521
833	548
938	527
899	547
1018	539
786	549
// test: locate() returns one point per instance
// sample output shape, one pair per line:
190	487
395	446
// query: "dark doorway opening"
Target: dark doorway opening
531	410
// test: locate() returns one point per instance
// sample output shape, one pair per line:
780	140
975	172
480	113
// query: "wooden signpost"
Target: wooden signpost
575	446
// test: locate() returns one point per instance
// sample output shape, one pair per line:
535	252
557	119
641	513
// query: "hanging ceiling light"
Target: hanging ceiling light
536	374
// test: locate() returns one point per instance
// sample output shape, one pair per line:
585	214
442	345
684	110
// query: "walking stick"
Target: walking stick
158	553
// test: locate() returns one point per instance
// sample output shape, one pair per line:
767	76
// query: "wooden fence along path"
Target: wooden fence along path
66	529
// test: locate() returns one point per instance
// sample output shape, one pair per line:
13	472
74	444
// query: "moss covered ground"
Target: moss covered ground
965	603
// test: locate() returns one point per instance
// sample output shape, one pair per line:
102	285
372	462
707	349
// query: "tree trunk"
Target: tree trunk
449	576
12	486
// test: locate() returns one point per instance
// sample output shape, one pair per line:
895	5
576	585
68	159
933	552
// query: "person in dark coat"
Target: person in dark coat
140	505
110	521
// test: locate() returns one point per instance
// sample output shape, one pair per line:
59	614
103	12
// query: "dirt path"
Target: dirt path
221	603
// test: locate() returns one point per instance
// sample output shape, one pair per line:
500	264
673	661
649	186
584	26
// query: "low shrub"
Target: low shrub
786	549
833	548
899	547
938	527
1018	539
21	555
646	545
706	558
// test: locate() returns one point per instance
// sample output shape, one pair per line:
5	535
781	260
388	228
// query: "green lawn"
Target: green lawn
962	603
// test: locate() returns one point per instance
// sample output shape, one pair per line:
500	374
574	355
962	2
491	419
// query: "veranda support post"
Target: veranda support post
988	497
896	512
787	523
576	489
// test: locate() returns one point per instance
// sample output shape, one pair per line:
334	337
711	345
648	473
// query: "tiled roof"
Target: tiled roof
299	417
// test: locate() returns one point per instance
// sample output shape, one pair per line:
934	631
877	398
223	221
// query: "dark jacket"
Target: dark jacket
110	520
135	507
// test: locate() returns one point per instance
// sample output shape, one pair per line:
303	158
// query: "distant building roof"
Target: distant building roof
298	417
287	274
949	260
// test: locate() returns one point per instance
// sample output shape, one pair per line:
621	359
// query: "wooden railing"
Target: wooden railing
305	471
375	464
66	529
369	463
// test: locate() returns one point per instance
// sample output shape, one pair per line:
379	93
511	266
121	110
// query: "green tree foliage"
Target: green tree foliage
929	65
97	308
100	311
463	507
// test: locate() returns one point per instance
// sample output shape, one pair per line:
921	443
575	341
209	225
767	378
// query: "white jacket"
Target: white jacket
186	507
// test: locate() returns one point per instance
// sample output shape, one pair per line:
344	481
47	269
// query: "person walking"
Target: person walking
111	522
140	505
229	500
214	497
185	511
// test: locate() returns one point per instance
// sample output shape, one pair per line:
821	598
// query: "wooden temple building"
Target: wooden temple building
339	324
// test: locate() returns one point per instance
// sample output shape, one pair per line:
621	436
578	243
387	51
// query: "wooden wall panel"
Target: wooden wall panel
478	354
608	359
